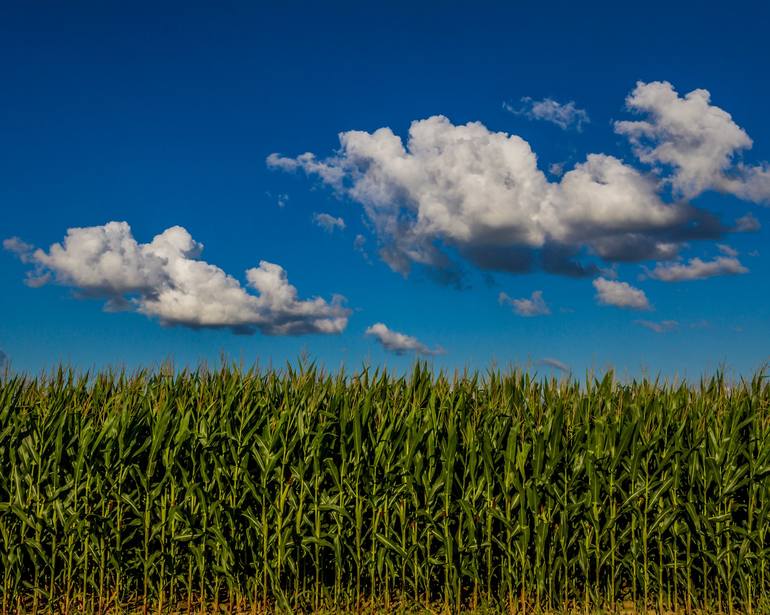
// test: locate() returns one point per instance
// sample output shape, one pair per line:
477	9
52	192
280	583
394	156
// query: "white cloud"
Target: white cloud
307	162
165	279
554	364
696	139
400	343
447	191
620	294
481	192
664	326
697	269
532	306
565	115
328	222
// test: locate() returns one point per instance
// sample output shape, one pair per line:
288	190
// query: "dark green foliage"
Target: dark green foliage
301	490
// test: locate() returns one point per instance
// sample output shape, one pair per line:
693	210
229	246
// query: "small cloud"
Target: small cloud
664	326
534	306
747	224
754	253
20	248
281	199
620	294
565	116
400	343
276	161
25	252
328	222
555	364
727	250
697	269
557	169
359	244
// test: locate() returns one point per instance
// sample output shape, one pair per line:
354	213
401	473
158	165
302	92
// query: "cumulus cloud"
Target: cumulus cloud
400	343
482	193
565	115
446	191
620	294
697	269
328	222
535	305
555	364
165	279
663	326
697	140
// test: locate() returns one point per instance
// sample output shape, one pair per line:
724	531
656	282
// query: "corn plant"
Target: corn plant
300	490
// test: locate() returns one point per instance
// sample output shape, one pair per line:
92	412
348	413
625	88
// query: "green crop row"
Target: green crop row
299	490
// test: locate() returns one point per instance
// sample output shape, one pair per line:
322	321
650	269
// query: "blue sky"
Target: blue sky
164	118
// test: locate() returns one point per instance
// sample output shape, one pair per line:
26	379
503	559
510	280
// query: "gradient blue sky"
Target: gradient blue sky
165	116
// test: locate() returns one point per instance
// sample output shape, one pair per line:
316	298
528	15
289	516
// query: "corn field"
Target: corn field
298	490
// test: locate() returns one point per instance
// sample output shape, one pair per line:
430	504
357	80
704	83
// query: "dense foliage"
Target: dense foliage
301	490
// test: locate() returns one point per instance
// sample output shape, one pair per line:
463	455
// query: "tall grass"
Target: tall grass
301	490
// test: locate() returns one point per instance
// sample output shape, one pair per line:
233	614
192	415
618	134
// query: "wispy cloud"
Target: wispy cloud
399	343
555	364
727	250
535	305
663	326
328	222
564	115
281	199
697	269
747	224
21	249
556	169
359	244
